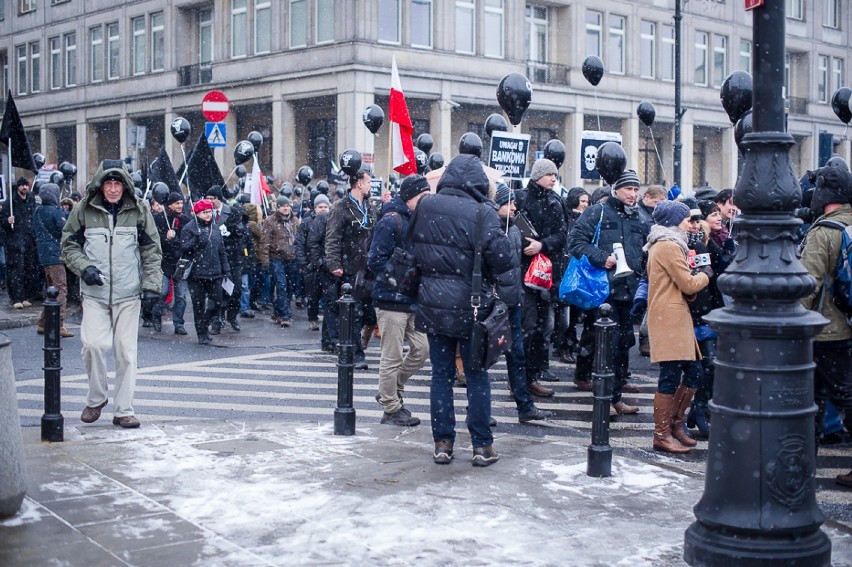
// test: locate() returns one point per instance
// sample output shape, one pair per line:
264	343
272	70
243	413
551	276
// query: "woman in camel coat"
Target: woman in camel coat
673	344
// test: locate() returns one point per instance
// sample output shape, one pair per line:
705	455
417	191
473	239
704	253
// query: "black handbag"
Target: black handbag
491	337
183	269
401	274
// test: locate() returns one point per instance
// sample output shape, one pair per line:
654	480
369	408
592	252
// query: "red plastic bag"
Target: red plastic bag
540	273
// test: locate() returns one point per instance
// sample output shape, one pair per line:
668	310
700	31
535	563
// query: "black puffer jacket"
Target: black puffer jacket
203	244
543	208
443	242
316	242
301	244
620	224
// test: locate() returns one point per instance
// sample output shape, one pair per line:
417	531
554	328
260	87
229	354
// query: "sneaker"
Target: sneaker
535	414
484	456
26	303
313	326
443	454
92	414
247	315
361	364
179	330
65	333
235	325
547	375
284	323
157	322
401	417
204	339
127	422
17	305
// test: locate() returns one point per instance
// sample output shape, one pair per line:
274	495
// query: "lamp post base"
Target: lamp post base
344	421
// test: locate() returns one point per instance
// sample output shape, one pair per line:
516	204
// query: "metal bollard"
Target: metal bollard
344	413
599	457
52	422
13	473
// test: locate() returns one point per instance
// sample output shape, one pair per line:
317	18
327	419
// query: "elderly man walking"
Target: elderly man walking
111	242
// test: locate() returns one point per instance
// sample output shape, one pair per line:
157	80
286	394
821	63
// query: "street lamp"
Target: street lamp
676	149
759	505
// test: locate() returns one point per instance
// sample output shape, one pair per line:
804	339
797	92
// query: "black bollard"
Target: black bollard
344	413
52	422
599	457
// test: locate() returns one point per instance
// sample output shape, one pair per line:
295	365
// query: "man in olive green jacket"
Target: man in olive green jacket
111	242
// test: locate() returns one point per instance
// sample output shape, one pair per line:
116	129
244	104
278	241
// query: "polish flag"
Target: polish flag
258	187
402	154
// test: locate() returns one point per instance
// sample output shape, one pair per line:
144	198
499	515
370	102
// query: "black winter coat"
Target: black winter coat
316	241
443	243
346	236
171	246
390	232
301	243
203	244
620	224
543	208
21	238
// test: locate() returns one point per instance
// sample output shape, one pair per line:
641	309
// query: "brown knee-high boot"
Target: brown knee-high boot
663	440
682	399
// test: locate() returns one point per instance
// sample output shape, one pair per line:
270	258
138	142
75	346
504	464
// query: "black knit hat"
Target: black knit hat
627	179
412	186
214	191
22	181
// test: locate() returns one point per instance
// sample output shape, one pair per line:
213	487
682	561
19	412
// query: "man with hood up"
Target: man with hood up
48	221
444	240
111	242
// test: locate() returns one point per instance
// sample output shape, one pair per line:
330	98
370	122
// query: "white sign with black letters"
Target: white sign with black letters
508	153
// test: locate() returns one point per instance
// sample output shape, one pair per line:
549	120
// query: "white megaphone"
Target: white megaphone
622	270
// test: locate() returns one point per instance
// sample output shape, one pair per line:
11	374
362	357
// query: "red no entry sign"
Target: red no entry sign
752	4
215	106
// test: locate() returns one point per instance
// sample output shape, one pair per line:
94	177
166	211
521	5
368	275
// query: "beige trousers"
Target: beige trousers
108	327
394	368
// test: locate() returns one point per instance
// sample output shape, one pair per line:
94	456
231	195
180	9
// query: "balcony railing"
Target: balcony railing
547	73
197	74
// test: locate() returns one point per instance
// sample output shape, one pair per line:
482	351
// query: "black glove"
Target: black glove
729	246
92	276
149	299
638	309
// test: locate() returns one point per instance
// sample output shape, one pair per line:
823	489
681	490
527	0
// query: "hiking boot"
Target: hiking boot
583	385
313	326
535	414
179	330
623	409
92	414
443	454
484	456
401	417
536	388
65	333
127	422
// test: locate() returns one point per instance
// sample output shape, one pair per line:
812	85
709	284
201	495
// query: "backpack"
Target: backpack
842	288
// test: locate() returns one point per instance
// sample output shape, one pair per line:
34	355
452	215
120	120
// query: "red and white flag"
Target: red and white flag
258	187
402	152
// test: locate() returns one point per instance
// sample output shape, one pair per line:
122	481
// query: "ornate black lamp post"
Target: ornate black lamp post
759	506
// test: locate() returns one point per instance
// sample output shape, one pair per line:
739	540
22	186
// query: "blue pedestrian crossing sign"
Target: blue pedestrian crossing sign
215	133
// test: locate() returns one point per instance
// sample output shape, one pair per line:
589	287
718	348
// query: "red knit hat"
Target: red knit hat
202	205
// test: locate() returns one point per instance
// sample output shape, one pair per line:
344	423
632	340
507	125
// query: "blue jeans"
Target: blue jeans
516	364
282	273
670	373
245	294
179	294
442	352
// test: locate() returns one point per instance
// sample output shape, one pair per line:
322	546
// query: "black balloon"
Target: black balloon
340	192
840	104
495	122
243	152
180	129
554	150
304	175
240	170
424	143
350	162
322	187
470	143
287	189
743	127
646	113
68	169
39	160
136	176
373	118
298	191
514	94
57	178
436	161
736	94
256	139
611	161
160	192
837	161
593	69
422	161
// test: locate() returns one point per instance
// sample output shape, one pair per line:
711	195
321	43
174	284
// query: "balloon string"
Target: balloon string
845	128
597	110
656	151
185	167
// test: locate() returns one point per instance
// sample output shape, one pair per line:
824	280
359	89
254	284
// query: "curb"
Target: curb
28	320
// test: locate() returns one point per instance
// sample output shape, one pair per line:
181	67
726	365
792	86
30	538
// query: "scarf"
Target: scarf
720	236
672	234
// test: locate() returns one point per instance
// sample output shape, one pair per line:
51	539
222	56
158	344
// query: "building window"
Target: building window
539	137
54	44
138	46
493	27
699	163
787	75
647	49
70	59
720	59
701	58
298	23
667	56
822	78
325	21
4	72
113	46
26	6
21	54
96	39
322	145
205	36
537	55
649	165
594	29
35	67
263	26
745	55
615	43
465	26
389	21
795	10
830	13
837	72
421	23
239	21
158	48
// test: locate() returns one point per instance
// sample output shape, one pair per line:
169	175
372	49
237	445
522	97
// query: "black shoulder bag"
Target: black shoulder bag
401	273
491	337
